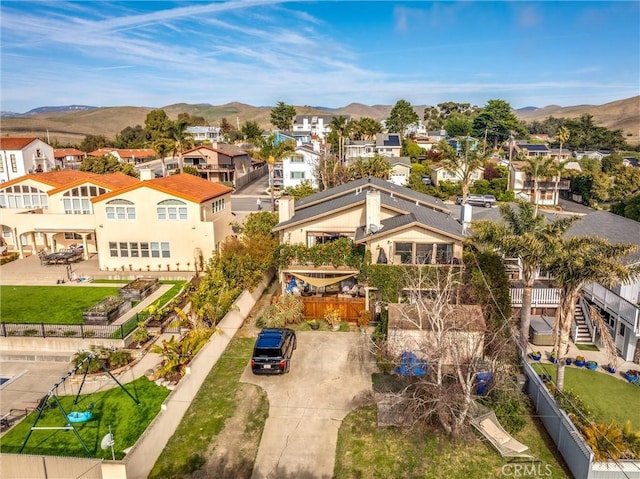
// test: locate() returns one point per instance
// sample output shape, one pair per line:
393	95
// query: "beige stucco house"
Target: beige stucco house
157	224
396	224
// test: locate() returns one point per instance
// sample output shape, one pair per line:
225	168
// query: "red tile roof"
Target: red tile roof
62	152
101	152
135	152
12	143
185	186
112	181
56	179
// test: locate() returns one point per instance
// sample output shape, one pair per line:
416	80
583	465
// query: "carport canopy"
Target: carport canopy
319	282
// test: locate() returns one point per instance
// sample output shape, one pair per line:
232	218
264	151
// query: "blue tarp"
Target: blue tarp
410	365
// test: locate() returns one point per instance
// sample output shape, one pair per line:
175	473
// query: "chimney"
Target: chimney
146	174
372	209
466	211
286	208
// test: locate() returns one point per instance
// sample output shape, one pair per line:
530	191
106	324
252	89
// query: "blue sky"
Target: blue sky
317	53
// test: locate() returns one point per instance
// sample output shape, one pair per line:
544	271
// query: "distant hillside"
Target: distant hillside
73	124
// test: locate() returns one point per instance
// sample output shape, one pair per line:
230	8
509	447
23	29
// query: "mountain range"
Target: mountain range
70	124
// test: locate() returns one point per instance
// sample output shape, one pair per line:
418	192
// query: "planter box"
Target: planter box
139	288
106	311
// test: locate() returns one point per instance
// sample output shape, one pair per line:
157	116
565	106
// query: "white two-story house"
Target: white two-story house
21	156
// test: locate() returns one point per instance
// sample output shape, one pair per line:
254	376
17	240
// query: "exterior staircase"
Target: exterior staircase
582	334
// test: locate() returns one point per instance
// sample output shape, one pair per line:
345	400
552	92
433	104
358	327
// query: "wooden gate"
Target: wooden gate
315	306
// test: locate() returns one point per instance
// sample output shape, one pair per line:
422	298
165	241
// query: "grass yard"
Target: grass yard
365	450
606	397
112	407
49	304
214	404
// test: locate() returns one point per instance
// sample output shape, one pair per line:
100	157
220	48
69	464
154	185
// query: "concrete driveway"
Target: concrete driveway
306	407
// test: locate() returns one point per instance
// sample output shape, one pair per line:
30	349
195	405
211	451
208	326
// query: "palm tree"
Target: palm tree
523	235
575	262
180	139
537	167
463	162
341	126
162	146
562	135
367	128
272	150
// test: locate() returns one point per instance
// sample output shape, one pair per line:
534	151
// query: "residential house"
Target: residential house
52	210
68	157
395	224
523	185
126	155
437	135
389	145
21	156
211	134
218	162
593	154
299	167
531	149
416	129
354	149
400	170
619	305
441	173
558	155
314	125
163	223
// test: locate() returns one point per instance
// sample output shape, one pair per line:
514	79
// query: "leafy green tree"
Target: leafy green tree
522	235
366	128
573	263
586	135
612	164
226	127
260	223
157	124
300	191
377	166
250	130
412	150
401	116
191	170
495	122
132	137
628	207
271	150
107	164
282	116
192	120
625	184
458	125
162	146
93	142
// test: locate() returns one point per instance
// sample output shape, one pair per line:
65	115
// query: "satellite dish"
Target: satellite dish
373	229
107	442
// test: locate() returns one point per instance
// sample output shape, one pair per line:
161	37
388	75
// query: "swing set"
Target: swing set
50	400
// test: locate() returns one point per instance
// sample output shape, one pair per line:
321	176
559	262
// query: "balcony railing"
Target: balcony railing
212	166
547	185
614	304
539	296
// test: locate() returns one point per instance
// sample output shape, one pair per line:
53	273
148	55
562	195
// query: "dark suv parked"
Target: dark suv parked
273	350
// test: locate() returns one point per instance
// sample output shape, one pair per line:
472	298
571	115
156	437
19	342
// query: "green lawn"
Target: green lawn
214	403
112	407
365	450
606	397
49	304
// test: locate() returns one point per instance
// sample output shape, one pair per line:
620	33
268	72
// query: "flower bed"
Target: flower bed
107	310
139	288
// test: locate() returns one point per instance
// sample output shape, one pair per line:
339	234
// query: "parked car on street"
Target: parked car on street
272	351
479	200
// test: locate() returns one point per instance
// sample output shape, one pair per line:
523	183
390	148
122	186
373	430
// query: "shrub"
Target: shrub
119	358
94	366
30	332
288	309
573	406
70	332
141	335
509	407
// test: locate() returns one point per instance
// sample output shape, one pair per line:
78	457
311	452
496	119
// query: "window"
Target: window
14	165
23	196
77	201
172	210
217	206
120	211
621	330
444	253
424	252
75	236
297	175
319	238
1	164
132	249
403	253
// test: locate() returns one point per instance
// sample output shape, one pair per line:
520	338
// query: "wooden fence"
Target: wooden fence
315	306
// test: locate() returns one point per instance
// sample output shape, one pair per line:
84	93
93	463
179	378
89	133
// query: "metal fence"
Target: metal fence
84	331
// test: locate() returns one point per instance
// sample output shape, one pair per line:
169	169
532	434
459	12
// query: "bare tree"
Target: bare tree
451	338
